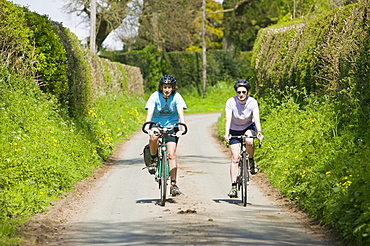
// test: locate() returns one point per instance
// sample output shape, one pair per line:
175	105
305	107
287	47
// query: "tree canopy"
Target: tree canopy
109	15
176	25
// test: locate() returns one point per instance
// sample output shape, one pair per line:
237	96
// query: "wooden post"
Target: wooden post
93	26
204	48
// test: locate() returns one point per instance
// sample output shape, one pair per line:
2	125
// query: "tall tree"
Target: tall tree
247	17
109	15
214	29
167	24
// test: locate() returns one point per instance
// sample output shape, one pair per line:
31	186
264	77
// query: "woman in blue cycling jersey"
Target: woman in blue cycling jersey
242	117
166	107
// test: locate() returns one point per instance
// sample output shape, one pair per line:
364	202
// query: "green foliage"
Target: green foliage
113	118
214	102
242	24
79	73
214	29
50	56
16	49
317	163
292	9
186	66
297	54
54	137
317	148
42	154
167	25
148	60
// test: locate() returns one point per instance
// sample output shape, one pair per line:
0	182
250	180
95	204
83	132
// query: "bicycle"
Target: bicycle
163	169
244	168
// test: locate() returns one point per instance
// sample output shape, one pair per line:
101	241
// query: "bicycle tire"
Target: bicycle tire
244	179
164	178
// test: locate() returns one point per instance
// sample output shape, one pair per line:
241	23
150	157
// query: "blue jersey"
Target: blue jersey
165	110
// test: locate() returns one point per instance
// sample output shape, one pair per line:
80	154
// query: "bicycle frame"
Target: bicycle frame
162	149
244	168
163	171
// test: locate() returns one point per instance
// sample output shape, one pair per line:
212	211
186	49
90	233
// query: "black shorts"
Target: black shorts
171	138
240	133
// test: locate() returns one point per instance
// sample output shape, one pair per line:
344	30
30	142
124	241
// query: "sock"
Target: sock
233	185
173	182
153	156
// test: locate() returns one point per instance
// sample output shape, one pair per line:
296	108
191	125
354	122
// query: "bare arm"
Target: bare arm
257	122
181	114
227	124
149	115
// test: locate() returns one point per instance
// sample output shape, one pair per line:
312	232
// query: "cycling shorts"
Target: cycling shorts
171	138
240	133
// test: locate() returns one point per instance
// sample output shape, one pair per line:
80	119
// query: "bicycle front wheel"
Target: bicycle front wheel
164	178
244	176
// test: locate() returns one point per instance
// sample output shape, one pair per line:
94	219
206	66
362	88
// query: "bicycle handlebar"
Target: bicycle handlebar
161	129
241	136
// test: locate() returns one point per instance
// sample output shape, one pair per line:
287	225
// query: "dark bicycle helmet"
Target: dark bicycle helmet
168	79
242	82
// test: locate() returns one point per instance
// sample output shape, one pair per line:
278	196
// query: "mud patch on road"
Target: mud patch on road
187	211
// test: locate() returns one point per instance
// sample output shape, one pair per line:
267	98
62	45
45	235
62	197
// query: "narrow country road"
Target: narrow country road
122	208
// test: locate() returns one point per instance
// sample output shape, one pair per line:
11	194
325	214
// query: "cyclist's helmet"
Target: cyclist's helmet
242	82
168	79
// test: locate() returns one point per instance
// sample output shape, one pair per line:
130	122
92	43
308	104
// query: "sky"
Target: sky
53	8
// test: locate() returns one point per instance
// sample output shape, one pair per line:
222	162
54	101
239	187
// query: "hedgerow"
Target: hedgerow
317	163
317	144
63	111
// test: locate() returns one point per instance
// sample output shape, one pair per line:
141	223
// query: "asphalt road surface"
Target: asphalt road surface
123	208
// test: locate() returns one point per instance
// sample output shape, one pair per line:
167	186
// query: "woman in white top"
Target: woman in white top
242	117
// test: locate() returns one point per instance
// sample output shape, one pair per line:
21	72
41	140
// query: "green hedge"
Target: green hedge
322	54
50	55
15	38
313	76
63	111
186	66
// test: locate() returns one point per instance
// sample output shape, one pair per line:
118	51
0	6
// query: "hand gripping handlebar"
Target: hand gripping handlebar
155	124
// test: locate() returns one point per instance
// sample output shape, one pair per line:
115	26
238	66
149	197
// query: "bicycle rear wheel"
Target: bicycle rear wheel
164	178
244	179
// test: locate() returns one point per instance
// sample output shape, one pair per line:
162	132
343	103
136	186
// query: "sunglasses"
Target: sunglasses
240	92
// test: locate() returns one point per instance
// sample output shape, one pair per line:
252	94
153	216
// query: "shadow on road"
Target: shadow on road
168	232
155	201
131	162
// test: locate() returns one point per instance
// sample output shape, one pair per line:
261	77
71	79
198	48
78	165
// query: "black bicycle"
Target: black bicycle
163	168
244	168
